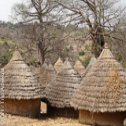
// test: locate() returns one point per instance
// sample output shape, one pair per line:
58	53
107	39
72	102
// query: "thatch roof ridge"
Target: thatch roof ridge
16	56
78	64
92	60
58	65
43	75
79	67
19	80
91	63
106	53
60	90
52	72
51	68
45	65
66	66
103	87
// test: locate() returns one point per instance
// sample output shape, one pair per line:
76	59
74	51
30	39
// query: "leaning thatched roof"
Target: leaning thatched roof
60	90
79	67
103	89
19	81
58	65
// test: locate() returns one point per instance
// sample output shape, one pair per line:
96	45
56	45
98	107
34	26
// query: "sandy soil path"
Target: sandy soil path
23	121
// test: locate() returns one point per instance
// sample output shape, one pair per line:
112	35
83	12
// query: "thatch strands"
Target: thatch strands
43	75
19	81
52	72
103	89
92	61
58	65
79	67
60	90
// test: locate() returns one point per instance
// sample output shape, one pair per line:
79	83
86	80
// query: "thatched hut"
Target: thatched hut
60	91
79	67
21	88
58	65
101	97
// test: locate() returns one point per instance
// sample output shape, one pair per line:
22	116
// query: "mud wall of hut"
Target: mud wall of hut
103	119
29	108
63	112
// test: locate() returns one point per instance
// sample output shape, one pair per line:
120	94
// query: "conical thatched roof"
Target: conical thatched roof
92	61
58	65
43	75
52	72
60	91
103	89
19	81
79	67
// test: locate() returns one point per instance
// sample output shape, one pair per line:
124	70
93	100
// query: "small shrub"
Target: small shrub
65	52
86	62
81	53
5	57
32	61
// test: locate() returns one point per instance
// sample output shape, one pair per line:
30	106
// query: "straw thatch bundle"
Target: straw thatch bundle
92	61
60	90
52	72
19	81
58	65
103	89
43	75
79	67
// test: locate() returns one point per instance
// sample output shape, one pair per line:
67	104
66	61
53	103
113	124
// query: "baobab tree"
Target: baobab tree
42	15
100	16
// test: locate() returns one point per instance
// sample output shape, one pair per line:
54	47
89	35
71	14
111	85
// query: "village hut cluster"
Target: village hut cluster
95	95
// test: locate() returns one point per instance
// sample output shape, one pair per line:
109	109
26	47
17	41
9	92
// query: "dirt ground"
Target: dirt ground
24	121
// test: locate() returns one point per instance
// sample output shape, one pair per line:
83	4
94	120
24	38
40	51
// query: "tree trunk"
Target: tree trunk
41	53
98	43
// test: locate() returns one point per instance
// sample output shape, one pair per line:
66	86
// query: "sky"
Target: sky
6	6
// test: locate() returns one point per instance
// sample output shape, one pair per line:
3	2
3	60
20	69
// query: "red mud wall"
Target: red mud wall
30	108
103	119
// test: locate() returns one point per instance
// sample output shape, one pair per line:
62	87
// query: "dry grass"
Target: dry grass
23	121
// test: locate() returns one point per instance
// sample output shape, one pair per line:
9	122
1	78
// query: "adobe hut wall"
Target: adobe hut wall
30	108
102	119
63	112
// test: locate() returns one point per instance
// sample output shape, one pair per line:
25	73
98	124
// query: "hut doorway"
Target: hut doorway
43	108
